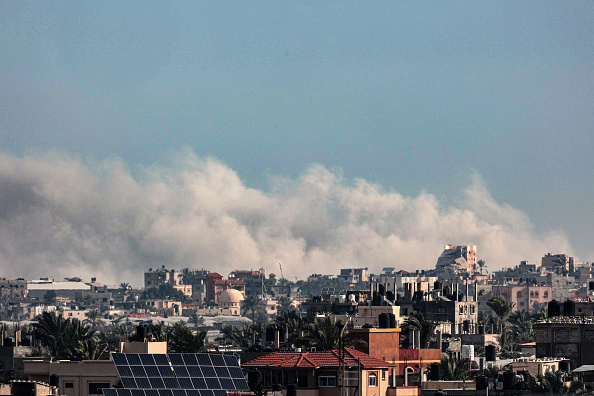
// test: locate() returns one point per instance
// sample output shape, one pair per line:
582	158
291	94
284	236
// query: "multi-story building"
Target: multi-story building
570	337
562	261
161	276
456	260
13	289
524	297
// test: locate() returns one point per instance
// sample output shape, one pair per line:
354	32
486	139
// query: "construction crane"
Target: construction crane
281	271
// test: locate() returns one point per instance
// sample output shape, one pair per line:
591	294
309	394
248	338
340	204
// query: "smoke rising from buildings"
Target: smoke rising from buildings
63	217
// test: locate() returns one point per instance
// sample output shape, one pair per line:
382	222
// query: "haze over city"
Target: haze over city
320	136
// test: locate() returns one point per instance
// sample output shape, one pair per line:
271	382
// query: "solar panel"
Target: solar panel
177	374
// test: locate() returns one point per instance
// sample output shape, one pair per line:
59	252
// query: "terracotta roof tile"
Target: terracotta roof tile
314	359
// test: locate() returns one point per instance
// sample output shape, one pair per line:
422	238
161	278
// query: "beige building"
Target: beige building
457	260
536	367
85	378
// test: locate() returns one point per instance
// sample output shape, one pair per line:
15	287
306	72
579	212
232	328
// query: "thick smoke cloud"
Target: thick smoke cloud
62	217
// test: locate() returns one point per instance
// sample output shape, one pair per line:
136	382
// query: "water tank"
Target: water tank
482	382
481	329
384	321
141	332
254	380
435	372
591	285
554	308
437	285
270	333
291	390
490	353
392	321
277	387
54	380
509	380
468	352
569	308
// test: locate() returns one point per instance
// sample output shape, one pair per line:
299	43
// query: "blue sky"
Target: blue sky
413	96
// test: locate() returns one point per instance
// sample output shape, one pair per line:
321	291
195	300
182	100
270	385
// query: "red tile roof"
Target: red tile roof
315	359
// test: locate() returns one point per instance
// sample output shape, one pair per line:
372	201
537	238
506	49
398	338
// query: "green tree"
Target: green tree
501	307
231	335
554	383
181	339
124	286
482	264
89	349
253	307
521	326
455	369
196	320
325	335
185	272
426	328
285	305
50	297
93	316
61	336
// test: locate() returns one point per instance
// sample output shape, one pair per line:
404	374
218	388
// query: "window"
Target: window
69	385
472	309
372	379
326	380
546	294
95	387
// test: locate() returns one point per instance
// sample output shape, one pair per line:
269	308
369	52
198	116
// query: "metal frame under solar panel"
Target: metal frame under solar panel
163	392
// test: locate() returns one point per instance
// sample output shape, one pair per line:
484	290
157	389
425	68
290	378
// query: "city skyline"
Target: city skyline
324	135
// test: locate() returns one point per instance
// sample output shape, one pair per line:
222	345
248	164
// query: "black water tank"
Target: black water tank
382	290
54	380
277	387
509	380
367	326
141	332
377	300
490	353
481	329
440	393
384	321
7	342
270	333
569	308
437	285
435	372
564	366
553	309
291	390
591	285
254	380
392	321
482	382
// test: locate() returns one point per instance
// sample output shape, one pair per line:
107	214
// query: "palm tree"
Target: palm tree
554	383
93	316
501	307
482	264
455	369
284	305
426	328
124	286
61	336
325	335
254	308
231	335
561	264
196	320
183	340
90	349
521	326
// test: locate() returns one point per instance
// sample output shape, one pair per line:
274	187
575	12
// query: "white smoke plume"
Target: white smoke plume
63	217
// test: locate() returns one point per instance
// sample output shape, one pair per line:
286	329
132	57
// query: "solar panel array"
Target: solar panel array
177	374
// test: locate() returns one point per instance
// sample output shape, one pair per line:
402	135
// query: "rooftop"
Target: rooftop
315	359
